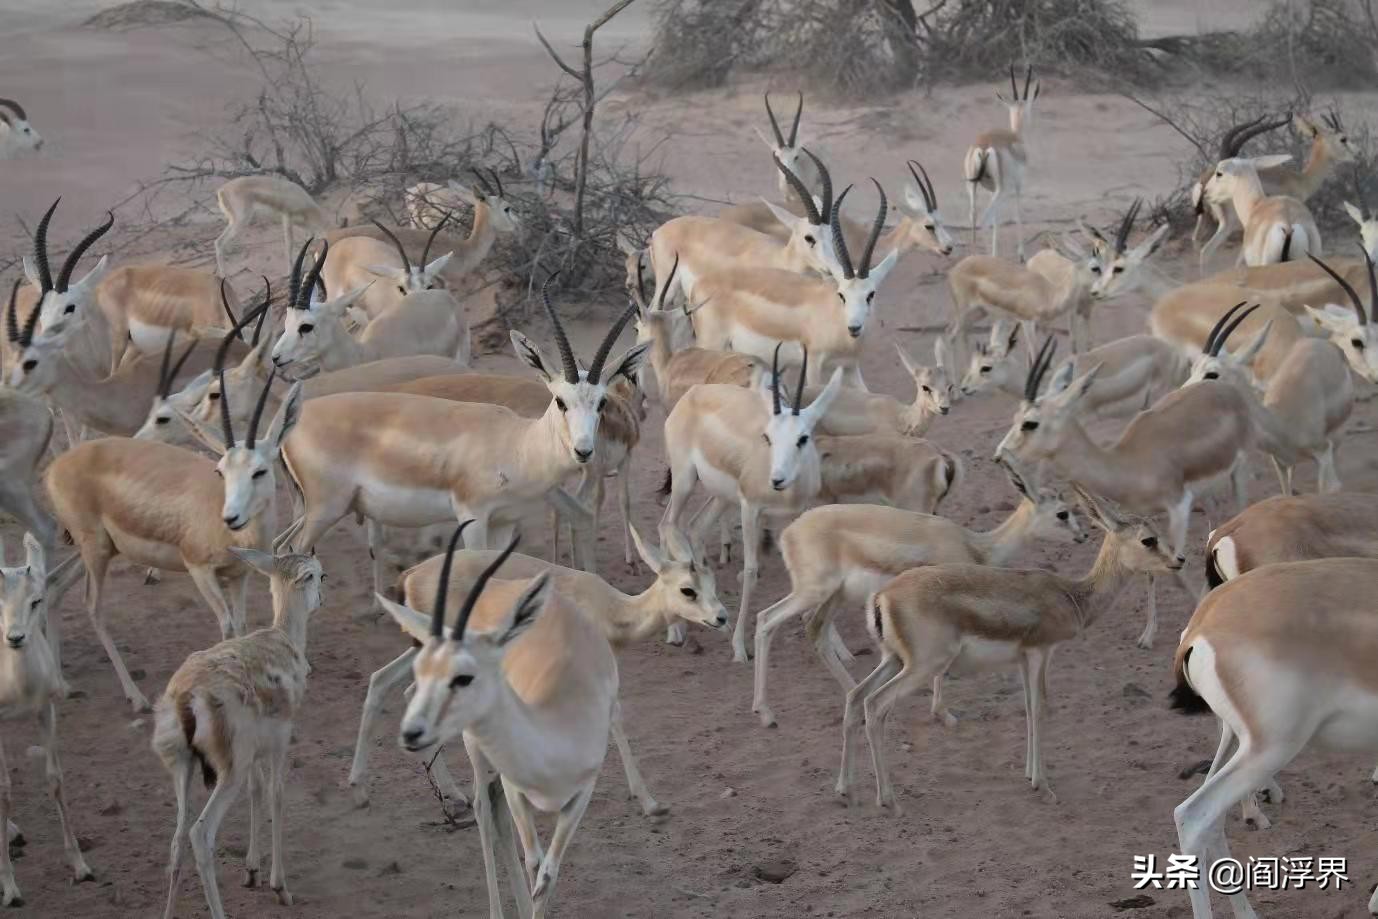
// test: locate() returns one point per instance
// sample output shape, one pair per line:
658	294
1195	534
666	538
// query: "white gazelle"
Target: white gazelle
997	161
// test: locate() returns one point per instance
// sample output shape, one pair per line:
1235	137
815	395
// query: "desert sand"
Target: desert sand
973	841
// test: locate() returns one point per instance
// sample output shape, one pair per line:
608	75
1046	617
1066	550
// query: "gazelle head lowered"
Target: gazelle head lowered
995	362
1216	363
686	587
789	429
310	325
63	300
857	283
808	238
579	395
1041	423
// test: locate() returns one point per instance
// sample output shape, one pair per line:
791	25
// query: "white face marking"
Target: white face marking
22	601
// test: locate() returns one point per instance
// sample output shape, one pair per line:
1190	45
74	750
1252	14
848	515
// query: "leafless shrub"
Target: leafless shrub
141	14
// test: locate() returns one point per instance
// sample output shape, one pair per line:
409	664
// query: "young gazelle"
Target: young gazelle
314	337
245	198
532	689
1277	228
167	508
382	269
754	310
229	709
937	619
842	553
746	450
858	412
1135	370
1158	462
30	685
17	136
405	460
684	591
997	162
1281	656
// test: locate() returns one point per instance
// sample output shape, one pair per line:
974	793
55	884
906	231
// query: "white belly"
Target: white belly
717	483
980	654
397	505
148	339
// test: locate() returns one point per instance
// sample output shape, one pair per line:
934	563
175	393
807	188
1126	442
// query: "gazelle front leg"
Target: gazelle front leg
10	895
751	540
203	833
565	825
95	576
209	585
581	520
635	783
485	777
852	719
1151	626
277	796
1036	663
770	619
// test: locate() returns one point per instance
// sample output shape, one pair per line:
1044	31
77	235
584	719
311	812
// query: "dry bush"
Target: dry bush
141	14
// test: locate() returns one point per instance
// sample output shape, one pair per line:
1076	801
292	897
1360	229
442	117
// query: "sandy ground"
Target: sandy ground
974	841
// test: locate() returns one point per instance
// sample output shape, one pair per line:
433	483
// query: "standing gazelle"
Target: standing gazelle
940	619
531	684
244	198
997	161
1277	228
362	261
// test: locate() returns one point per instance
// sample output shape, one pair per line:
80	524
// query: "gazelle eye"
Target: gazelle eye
401	290
870	297
308	327
71	308
841	299
602	404
1029	426
926	389
1357	343
213	396
766	438
803	440
1118	269
1063	515
162	421
1149	541
560	404
987	368
460	681
689	592
260	473
1095	269
30	364
809	239
1211	375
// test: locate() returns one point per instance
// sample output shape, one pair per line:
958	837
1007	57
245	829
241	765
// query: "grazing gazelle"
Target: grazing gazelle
684	591
939	619
1282	656
530	682
229	709
746	449
244	198
1277	228
30	685
997	161
168	508
17	136
842	553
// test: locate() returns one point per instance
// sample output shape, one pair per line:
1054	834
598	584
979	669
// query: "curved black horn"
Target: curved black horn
802	190
483	181
40	249
426	252
11	314
442	589
825	182
844	258
601	355
313	276
1038	368
225	423
1127	225
263	313
774	125
793	128
1028	78
236	331
864	266
571	366
1210	346
930	197
803	375
497	180
1229	329
165	384
225	302
177	365
294	282
1372	284
406	262
258	407
660	303
64	277
15	107
26	333
1014	87
1346	286
775	379
467	610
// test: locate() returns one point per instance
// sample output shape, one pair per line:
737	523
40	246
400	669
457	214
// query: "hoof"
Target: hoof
16	901
1144	644
141	706
83	875
284	896
656	809
250	877
768	718
360	795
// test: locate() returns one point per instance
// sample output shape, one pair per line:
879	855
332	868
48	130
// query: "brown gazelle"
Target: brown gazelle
168	508
1277	228
997	161
532	689
229	709
244	198
406	460
382	269
684	591
940	619
842	553
1282	656
1217	201
30	686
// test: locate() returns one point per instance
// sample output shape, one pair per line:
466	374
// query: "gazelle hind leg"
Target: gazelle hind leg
1037	662
277	795
182	775
751	539
820	628
203	833
889	665
565	825
796	603
209	586
1151	625
95	578
9	895
876	709
636	784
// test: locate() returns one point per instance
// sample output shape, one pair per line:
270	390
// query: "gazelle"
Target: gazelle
535	676
244	198
1049	286
1330	147
997	161
1368	227
428	204
314	337
747	450
677	369
168	508
65	300
1158	462
405	460
1277	228
1205	199
230	709
842	553
754	310
1279	655
28	427
1120	269
143	303
1309	395
760	215
493	216
937	619
858	412
684	590
17	136
1135	370
362	261
30	685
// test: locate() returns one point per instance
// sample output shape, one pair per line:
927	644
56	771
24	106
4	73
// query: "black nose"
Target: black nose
943	410
582	455
854	331
777	484
15	642
411	736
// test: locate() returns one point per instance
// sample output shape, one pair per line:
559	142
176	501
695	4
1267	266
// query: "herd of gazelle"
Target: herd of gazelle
357	389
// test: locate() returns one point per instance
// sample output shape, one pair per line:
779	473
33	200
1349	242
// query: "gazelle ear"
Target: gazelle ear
1146	248
1354	213
649	553
1092	234
465	193
942	352
341	304
1078	388
1304	126
1332	317
96	274
912	203
1246	354
260	561
878	272
819	407
434	268
1269	161
910	367
34	557
1101	514
288	414
677	546
630	362
527	609
1062	378
31	272
530	354
208	435
781	214
416	625
386	271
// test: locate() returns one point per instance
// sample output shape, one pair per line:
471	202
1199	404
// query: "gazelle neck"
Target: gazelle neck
289	615
1248	191
996	547
541	454
1017	117
1096	469
1319	166
627	618
481	235
112	405
661	353
341	350
1092	595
